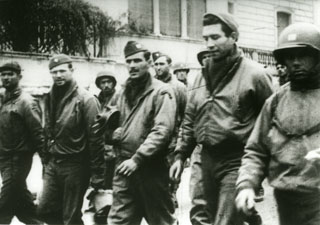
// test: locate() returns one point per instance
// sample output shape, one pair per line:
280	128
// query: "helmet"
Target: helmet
201	53
105	74
298	35
180	66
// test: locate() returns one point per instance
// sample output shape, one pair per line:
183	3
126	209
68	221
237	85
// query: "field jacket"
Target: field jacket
286	130
228	113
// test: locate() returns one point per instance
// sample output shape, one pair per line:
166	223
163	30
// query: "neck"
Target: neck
165	77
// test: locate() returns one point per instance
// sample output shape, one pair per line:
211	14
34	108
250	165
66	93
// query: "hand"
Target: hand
116	136
127	167
176	170
245	201
313	155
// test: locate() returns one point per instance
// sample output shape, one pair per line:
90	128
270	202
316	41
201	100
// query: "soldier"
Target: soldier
106	82
203	55
162	66
147	121
222	107
181	71
21	135
284	144
73	153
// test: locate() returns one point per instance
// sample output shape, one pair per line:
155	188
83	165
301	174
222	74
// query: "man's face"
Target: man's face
181	75
61	74
106	84
161	66
205	56
10	79
216	40
282	70
137	65
299	62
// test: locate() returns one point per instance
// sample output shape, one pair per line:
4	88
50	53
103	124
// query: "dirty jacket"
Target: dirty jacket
70	133
148	126
228	113
286	130
20	124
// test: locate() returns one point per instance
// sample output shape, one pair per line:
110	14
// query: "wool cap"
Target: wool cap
14	66
57	60
226	18
133	47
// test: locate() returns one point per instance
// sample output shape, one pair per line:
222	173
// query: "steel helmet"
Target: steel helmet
180	66
298	35
201	53
104	74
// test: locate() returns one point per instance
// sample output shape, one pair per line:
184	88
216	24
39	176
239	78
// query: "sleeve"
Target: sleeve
33	118
263	89
164	104
186	140
257	153
95	142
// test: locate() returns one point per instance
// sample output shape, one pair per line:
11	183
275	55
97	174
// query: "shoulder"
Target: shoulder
161	88
254	70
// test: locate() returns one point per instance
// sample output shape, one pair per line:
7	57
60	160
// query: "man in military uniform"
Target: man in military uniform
162	66
181	71
147	120
222	107
73	153
106	82
21	135
284	144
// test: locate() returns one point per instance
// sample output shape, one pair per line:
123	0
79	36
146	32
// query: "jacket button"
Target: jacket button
52	141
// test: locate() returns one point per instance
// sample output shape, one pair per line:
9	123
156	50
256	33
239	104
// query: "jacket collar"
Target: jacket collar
166	78
13	94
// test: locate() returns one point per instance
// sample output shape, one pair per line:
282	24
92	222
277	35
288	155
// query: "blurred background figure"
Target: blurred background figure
282	73
181	71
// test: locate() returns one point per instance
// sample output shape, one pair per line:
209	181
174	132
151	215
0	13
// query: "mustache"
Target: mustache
133	71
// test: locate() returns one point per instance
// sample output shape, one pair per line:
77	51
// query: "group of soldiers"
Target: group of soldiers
235	127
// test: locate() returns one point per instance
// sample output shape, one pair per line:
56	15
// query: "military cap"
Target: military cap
156	55
201	53
108	74
14	66
226	18
57	60
133	47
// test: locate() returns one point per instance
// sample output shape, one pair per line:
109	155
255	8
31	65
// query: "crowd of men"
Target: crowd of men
234	126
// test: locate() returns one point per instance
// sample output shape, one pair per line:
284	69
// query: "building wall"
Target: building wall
257	20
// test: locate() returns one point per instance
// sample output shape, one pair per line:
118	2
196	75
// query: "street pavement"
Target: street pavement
266	208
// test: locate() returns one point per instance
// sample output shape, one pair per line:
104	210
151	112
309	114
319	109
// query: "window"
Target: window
141	16
195	11
170	17
283	20
231	7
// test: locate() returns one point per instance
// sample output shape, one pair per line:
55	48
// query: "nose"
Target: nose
210	43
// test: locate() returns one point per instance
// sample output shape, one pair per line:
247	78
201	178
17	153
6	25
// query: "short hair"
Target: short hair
211	19
168	58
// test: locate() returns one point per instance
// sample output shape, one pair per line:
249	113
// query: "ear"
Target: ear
234	36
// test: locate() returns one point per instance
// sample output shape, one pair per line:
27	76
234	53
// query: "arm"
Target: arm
163	126
95	142
255	161
33	119
263	90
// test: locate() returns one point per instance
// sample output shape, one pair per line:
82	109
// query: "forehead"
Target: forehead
139	55
8	71
161	59
105	79
64	66
212	30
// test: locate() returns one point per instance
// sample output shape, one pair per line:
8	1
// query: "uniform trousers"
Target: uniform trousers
15	198
65	182
144	194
